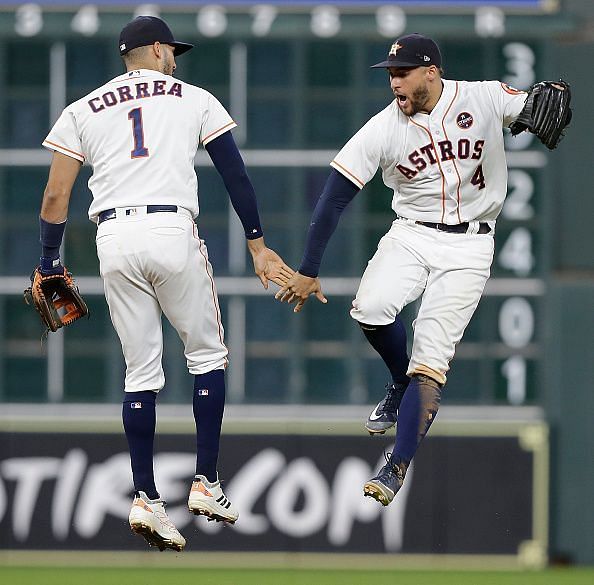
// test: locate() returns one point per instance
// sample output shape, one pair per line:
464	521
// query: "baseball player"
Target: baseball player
440	147
140	132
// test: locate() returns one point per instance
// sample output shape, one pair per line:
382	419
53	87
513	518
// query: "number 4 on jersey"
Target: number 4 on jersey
478	178
137	130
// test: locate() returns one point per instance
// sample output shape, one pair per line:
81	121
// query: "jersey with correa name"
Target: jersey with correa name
140	132
447	166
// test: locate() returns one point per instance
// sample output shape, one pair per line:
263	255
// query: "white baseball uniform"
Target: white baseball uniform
444	167
140	132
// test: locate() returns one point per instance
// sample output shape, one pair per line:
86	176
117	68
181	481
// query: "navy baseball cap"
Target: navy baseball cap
146	30
412	51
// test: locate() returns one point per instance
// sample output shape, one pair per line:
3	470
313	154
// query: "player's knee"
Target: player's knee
372	311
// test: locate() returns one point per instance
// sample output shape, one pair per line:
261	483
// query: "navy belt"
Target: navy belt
111	213
458	228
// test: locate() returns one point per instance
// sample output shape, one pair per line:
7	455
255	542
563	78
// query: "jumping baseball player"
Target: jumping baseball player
140	132
440	147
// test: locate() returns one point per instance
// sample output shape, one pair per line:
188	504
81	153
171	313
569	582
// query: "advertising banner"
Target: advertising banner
464	494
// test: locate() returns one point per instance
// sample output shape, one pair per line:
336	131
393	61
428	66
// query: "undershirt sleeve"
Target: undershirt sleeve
227	160
337	194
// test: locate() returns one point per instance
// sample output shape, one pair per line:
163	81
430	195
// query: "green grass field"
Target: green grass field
160	576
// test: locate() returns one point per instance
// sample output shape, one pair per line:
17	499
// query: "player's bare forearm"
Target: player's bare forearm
63	173
268	265
298	289
54	208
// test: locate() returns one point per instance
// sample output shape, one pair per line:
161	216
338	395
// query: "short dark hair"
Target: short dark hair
134	55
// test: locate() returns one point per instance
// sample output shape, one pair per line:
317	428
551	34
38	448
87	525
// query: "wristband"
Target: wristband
49	266
50	237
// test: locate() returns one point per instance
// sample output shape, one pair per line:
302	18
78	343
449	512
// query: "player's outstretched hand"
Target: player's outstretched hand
298	289
268	265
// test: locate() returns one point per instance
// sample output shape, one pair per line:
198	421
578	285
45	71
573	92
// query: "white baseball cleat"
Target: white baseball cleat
149	519
208	499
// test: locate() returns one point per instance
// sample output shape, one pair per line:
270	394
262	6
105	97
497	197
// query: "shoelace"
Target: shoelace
390	400
395	469
163	518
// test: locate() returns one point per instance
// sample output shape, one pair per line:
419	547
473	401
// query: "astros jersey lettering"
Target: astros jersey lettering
447	166
140	132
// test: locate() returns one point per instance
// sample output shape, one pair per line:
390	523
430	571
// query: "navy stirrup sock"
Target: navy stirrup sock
418	410
390	342
209	404
139	418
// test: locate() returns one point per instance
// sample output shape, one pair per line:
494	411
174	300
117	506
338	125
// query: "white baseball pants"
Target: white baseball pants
450	271
152	264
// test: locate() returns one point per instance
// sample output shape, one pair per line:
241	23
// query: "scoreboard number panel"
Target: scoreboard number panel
278	18
520	254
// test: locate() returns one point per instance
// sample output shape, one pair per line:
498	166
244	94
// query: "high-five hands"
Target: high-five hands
298	289
295	287
268	265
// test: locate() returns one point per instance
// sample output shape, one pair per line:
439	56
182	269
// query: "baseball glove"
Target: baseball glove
546	112
56	299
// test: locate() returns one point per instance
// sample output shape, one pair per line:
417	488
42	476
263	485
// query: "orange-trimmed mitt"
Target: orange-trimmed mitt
56	299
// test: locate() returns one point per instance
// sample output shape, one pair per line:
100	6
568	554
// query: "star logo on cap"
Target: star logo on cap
395	48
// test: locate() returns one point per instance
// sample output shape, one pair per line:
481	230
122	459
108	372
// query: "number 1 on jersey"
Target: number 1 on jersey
137	130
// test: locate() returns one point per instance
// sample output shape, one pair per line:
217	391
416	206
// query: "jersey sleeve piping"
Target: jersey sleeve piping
511	90
71	153
218	132
358	182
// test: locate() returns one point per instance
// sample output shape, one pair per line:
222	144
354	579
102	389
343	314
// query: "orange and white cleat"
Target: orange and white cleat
149	519
207	499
